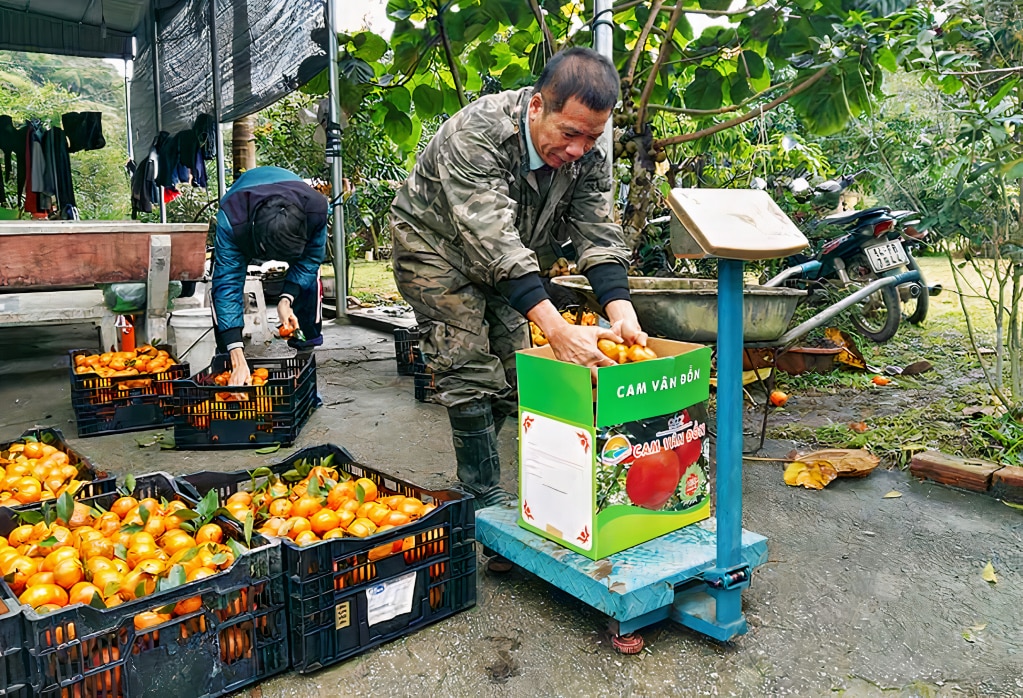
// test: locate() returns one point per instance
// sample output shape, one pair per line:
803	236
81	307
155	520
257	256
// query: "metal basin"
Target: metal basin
687	309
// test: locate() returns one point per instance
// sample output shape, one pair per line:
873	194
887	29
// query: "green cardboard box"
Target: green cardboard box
604	468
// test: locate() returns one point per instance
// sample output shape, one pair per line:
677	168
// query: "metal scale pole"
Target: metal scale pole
728	493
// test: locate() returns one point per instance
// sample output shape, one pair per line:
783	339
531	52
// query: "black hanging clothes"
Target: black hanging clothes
205	129
144	190
84	130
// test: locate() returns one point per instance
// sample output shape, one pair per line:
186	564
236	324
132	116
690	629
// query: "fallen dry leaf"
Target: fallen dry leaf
989	574
813	476
894	494
848	462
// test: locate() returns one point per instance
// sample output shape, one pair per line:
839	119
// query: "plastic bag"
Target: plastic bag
131	297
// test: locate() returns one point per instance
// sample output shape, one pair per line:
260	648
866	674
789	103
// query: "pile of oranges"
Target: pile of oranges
585	318
323	505
145	360
31	471
623	353
259	376
105	558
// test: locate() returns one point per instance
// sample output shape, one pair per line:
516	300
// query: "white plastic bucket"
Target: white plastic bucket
193	327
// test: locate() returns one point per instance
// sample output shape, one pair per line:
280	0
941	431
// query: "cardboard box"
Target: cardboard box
604	468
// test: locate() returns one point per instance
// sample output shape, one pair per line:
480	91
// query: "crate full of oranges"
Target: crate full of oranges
270	409
40	466
123	391
351	537
143	586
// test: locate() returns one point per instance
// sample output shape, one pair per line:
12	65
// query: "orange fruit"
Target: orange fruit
209	533
123	505
306	538
141	551
149	619
97	548
362	528
42	594
33	449
20	535
52	559
240	496
84	592
27	490
411	506
108	582
176	540
200	573
186	606
239	510
364	509
392	501
94	565
345	518
280	507
67	573
367	487
324	520
295	525
305	506
378	513
39	578
395	518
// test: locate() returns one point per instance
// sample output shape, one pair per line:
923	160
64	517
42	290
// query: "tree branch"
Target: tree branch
710	130
548	39
666	46
452	65
717	13
630	69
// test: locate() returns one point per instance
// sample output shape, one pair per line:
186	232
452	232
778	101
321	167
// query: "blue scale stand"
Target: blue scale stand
695	575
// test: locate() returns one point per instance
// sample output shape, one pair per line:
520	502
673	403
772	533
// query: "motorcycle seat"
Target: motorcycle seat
846	218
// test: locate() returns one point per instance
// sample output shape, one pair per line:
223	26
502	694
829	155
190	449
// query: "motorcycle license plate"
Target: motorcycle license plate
886	256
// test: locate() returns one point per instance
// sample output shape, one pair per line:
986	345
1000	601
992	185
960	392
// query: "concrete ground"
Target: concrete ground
862	595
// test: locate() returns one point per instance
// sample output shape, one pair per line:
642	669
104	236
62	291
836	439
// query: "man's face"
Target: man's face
565	136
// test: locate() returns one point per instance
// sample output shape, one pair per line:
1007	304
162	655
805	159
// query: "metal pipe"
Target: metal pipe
159	101
728	492
336	171
853	298
811	266
129	73
603	44
217	108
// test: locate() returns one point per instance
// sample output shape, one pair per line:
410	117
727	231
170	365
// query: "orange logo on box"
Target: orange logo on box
692	484
616	449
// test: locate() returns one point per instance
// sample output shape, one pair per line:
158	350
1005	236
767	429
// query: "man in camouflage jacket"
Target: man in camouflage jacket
501	188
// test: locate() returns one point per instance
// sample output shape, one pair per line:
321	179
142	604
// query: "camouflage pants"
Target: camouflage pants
467	332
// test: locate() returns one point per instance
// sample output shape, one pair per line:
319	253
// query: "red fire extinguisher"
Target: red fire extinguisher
127	327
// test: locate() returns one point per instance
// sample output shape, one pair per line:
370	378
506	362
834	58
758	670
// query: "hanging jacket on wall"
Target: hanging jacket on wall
190	155
144	190
205	129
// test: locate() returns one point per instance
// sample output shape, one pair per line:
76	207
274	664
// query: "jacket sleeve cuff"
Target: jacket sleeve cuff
291	290
609	282
232	337
524	292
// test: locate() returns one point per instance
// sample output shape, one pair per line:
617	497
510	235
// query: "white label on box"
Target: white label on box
389	599
557	478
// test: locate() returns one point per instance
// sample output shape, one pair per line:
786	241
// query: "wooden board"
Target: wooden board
732	224
969	474
68	254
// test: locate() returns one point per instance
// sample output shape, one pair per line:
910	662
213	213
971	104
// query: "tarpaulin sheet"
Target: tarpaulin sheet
267	49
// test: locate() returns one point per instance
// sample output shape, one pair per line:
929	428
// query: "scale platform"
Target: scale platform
656	580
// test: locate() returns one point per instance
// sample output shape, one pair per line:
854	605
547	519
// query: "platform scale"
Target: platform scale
695	575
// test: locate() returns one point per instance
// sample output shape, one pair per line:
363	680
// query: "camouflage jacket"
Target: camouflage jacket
473	196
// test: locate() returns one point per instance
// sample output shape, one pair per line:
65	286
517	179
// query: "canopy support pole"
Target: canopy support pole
129	71
217	109
159	102
333	130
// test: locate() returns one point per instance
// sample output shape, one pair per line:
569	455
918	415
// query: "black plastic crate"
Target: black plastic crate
15	680
93	480
405	342
334	586
424	385
121	404
237	636
271	413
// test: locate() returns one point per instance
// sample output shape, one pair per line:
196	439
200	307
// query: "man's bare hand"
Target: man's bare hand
239	372
625	323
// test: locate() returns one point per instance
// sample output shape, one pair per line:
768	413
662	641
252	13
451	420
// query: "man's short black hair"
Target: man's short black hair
581	73
279	230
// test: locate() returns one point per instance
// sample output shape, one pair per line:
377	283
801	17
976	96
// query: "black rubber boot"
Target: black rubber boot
478	464
504	408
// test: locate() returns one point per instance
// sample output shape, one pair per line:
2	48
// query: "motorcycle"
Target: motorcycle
868	248
914	305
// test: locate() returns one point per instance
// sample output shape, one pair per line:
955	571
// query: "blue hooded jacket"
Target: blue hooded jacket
234	247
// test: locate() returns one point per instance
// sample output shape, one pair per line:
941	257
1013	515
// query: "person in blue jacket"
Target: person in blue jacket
268	213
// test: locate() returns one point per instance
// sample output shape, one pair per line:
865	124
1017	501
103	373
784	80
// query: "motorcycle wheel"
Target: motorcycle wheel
914	310
876	317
